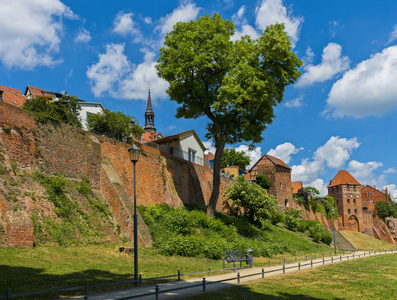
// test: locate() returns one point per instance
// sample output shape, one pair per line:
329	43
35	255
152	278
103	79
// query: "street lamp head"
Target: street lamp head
333	210
134	152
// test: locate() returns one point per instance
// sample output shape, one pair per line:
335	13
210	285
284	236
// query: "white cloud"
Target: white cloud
109	70
336	151
284	151
171	127
332	63
389	171
320	186
273	11
333	154
294	103
115	75
135	84
83	36
30	32
147	20
334	27
364	172
308	59
393	34
238	18
254	154
242	26
125	25
366	90
185	12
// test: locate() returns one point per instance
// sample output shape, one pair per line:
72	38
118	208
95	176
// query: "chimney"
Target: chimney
374	186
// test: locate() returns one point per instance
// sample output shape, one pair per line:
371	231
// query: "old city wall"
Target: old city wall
76	153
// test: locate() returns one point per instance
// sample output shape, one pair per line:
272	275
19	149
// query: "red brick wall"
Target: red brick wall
75	153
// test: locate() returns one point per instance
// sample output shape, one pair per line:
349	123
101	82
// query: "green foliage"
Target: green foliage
316	231
278	218
236	84
385	209
263	181
115	125
251	201
76	222
312	191
292	219
192	233
231	157
65	110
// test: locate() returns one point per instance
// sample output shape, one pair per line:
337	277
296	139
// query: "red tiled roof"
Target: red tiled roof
296	186
12	96
343	177
37	92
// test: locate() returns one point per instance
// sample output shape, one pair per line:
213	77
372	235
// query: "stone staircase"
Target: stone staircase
342	243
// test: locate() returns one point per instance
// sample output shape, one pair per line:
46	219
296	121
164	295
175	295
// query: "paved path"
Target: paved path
228	280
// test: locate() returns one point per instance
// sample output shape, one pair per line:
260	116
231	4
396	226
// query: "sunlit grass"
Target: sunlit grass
368	278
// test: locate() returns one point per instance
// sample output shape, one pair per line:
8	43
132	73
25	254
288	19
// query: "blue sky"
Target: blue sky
339	115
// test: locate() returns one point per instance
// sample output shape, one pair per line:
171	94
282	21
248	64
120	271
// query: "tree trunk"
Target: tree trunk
211	208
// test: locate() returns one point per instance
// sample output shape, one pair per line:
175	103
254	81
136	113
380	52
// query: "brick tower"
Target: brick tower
346	191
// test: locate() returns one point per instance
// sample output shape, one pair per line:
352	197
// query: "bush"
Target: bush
115	125
65	110
278	218
292	219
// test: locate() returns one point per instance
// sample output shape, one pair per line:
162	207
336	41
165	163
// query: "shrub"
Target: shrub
292	219
278	218
315	232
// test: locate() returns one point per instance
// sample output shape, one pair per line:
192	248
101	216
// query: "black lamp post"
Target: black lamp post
333	220
134	152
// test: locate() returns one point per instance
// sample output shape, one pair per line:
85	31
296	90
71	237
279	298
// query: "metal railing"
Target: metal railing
86	288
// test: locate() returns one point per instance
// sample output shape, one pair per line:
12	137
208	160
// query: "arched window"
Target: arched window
286	203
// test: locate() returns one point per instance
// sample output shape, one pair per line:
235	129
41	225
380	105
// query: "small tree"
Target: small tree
231	157
115	125
65	110
292	219
251	201
312	191
263	181
384	209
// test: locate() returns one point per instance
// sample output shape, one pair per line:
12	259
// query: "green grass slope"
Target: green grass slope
365	242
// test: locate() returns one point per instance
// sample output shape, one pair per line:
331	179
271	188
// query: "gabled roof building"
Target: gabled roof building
279	174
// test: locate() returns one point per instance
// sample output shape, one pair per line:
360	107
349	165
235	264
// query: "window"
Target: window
286	203
354	200
337	201
192	155
367	194
348	210
1	95
372	201
281	185
348	200
355	210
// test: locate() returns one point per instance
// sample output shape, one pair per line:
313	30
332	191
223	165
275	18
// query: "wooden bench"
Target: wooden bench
236	256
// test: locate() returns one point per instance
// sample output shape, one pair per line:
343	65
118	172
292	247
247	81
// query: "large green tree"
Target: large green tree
231	157
236	84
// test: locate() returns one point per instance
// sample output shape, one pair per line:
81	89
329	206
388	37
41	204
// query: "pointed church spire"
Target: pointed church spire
149	116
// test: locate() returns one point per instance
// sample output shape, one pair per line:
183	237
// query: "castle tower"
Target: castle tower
149	116
346	191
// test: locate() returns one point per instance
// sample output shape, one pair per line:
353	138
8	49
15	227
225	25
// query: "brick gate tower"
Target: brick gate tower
346	191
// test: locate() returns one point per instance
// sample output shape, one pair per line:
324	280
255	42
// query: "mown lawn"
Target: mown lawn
366	278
